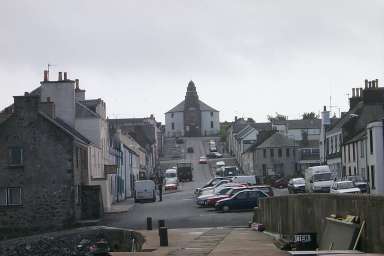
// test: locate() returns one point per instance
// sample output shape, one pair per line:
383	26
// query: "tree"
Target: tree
278	117
310	115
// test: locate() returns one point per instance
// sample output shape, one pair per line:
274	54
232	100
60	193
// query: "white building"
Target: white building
192	117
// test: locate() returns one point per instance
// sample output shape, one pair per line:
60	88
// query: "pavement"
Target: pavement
209	241
122	206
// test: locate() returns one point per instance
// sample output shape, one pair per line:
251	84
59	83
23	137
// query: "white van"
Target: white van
250	180
318	179
145	190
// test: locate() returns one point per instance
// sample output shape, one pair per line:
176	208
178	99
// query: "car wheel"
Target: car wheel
225	208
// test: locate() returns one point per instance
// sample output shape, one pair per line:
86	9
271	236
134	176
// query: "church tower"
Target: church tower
192	112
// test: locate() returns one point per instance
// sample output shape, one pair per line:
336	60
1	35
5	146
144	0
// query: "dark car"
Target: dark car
243	200
360	183
190	149
211	201
214	155
179	141
280	183
296	185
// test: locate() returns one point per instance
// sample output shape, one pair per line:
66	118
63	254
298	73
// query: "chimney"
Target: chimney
26	93
353	93
366	83
235	118
60	76
357	92
377	83
369	84
77	83
48	108
46	75
325	108
65	76
361	92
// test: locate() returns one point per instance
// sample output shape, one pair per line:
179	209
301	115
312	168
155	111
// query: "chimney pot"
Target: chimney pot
361	92
377	83
65	75
46	75
60	76
366	83
357	92
353	93
370	84
325	108
77	83
26	94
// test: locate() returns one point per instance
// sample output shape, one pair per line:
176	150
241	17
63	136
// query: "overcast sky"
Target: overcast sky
247	58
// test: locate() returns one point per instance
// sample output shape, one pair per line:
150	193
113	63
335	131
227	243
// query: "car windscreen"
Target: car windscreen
223	191
170	175
322	176
345	185
299	181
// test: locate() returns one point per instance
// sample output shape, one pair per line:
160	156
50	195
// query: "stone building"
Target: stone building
42	163
192	117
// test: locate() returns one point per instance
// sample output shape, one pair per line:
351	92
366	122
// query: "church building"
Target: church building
192	117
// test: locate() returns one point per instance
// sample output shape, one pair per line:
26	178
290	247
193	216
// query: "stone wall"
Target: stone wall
292	214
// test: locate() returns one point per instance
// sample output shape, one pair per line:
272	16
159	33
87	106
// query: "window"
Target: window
362	149
212	114
331	145
242	195
264	153
371	141
211	124
10	196
340	142
373	176
354	152
287	152
272	152
354	171
265	170
172	115
345	154
368	176
349	171
279	152
173	126
349	152
15	156
328	147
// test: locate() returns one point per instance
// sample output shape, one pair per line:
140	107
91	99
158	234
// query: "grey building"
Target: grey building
42	163
274	154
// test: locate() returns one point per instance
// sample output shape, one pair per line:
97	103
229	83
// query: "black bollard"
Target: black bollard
163	233
161	223
149	223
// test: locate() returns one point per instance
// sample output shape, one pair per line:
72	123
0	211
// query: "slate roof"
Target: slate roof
180	107
277	140
70	129
262	126
263	135
301	123
83	111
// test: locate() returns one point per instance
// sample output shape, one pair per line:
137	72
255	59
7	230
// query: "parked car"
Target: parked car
203	160
145	190
190	149
214	155
213	149
245	199
296	185
359	182
212	200
280	183
265	188
179	141
342	187
210	183
221	182
171	185
202	200
249	180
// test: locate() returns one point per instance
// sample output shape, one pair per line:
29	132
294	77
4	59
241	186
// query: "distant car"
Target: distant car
170	185
203	160
280	183
296	185
342	187
213	149
359	182
245	199
214	155
190	149
179	141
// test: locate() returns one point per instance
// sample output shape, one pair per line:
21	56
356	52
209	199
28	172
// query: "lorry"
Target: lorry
184	171
318	179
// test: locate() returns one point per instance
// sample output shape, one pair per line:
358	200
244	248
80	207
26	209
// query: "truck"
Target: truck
184	171
318	179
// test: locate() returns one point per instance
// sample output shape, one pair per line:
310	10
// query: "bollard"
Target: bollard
163	233
161	223
149	223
